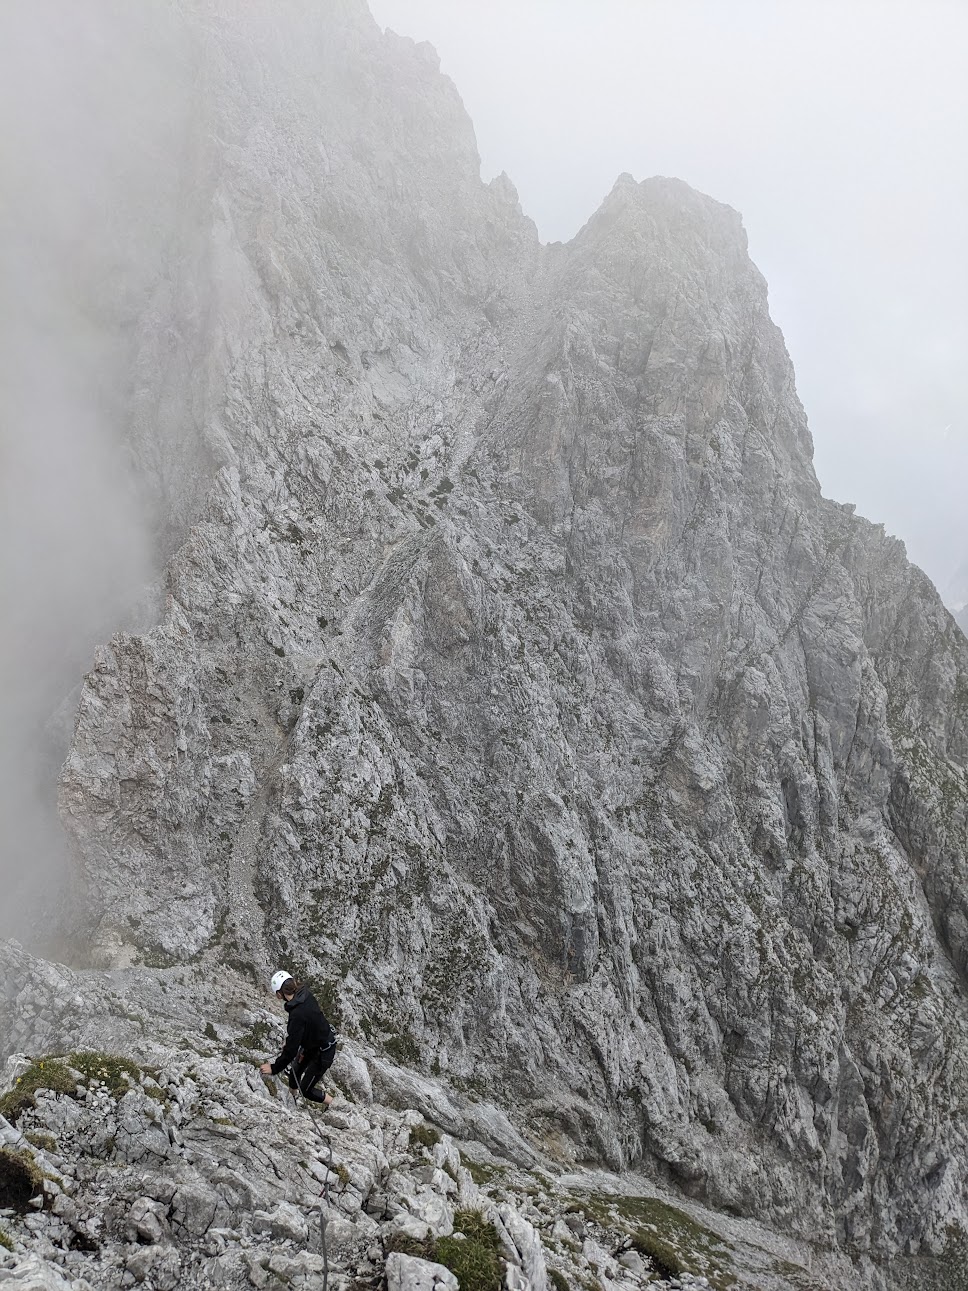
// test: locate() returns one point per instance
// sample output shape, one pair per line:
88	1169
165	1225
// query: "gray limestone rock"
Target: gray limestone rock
147	1222
32	1274
522	1246
284	1223
354	1075
407	1273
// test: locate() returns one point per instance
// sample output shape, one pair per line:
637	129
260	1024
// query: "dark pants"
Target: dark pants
308	1069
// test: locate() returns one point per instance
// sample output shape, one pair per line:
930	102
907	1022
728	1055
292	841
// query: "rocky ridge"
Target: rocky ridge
513	679
186	1168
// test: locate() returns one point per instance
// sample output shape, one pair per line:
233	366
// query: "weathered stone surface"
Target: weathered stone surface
407	1273
147	1221
284	1223
354	1076
32	1274
522	1246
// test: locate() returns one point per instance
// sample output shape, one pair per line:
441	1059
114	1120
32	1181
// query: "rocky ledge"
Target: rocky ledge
197	1173
176	1164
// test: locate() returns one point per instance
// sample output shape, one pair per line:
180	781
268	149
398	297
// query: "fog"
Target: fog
838	130
89	99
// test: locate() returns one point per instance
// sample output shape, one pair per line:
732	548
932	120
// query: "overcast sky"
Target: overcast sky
837	129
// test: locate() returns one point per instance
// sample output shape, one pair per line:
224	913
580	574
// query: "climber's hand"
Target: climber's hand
266	1069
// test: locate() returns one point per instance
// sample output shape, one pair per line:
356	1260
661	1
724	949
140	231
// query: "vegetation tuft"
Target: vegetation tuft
108	1069
481	1174
20	1179
675	1242
256	1037
423	1136
403	1050
39	1139
472	1256
327	997
46	1073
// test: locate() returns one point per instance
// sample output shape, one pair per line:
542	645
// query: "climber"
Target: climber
310	1041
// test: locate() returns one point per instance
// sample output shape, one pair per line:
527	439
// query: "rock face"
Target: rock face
515	680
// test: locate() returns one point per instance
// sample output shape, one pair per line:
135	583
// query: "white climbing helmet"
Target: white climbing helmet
278	979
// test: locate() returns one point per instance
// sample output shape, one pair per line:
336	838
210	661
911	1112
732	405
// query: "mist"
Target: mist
836	130
94	100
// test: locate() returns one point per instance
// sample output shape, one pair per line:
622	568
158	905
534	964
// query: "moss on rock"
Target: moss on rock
45	1073
20	1179
472	1254
675	1242
423	1136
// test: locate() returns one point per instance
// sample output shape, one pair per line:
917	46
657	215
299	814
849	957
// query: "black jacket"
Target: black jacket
308	1030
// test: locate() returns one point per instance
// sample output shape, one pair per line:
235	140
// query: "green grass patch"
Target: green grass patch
328	1000
6	1241
155	956
598	1209
20	1179
256	1037
38	1139
403	1050
245	968
423	1136
558	1280
45	1073
675	1242
117	1074
481	1174
473	1257
797	1276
